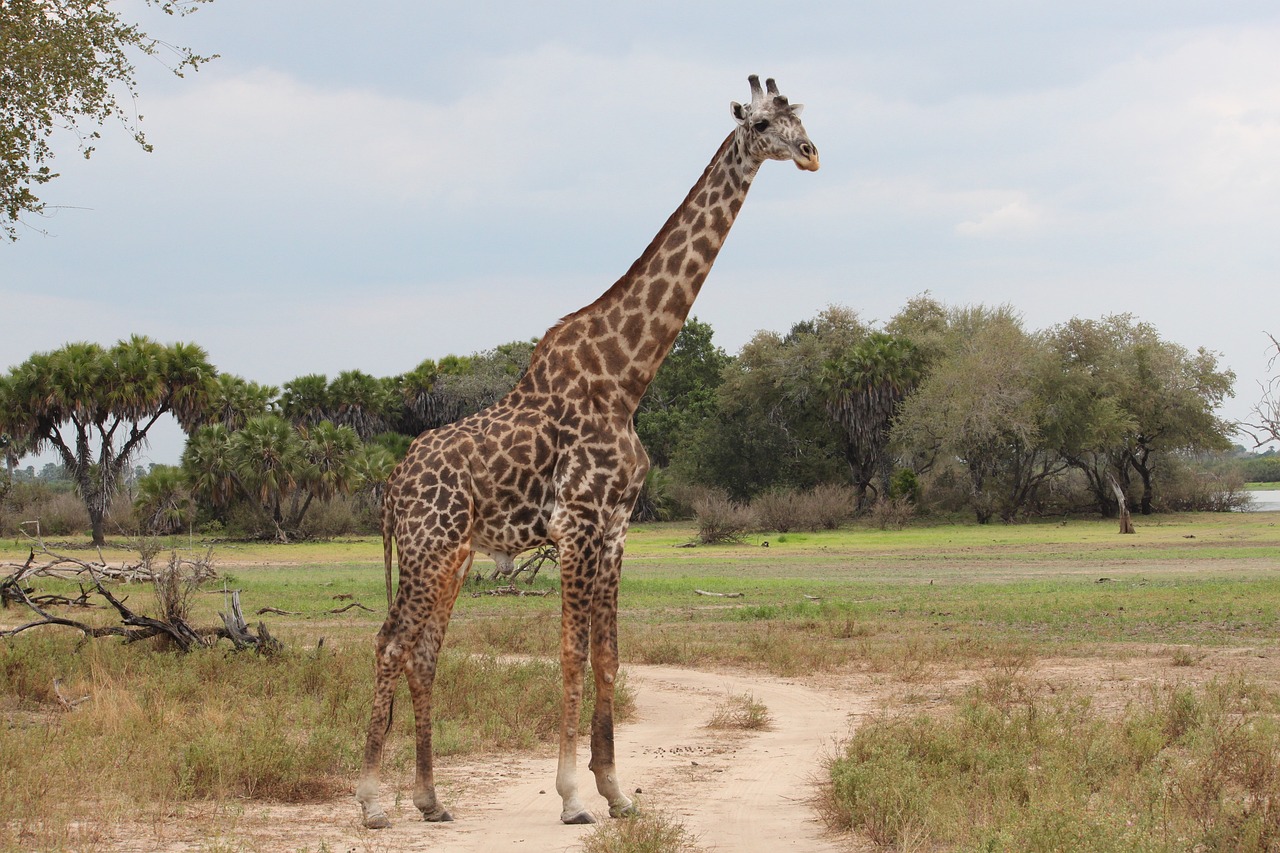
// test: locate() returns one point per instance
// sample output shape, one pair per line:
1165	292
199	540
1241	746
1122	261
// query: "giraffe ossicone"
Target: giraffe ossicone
557	461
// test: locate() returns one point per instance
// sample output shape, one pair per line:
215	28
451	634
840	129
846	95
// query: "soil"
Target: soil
739	791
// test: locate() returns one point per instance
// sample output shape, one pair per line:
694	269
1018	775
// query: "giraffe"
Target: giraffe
558	461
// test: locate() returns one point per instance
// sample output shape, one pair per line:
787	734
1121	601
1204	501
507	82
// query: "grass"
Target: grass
1018	768
650	831
741	711
907	606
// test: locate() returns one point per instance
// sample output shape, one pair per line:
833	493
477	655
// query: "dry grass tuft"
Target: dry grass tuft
742	711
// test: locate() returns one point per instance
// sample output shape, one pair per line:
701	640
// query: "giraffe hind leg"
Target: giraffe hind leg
415	610
421	673
390	657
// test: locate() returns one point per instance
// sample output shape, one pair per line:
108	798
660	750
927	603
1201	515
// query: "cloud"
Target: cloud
1014	216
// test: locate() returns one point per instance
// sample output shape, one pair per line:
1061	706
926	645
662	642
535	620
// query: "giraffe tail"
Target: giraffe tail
388	537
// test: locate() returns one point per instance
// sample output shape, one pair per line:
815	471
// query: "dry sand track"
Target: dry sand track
736	791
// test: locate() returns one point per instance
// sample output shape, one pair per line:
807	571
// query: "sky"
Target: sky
364	186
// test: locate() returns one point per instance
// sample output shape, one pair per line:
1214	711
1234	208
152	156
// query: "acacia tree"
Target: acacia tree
95	407
985	405
65	64
1138	398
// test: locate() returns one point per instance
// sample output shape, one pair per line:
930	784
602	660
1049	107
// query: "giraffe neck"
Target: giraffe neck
611	349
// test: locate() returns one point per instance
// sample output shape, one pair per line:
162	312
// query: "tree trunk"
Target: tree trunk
1126	522
97	524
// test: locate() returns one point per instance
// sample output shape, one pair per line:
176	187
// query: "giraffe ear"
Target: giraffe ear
796	109
738	111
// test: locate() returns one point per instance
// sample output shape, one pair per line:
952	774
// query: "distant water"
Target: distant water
1265	500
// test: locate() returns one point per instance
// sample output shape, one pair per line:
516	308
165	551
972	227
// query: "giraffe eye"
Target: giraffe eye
761	126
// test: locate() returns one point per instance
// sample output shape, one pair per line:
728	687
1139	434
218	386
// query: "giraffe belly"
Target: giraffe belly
511	532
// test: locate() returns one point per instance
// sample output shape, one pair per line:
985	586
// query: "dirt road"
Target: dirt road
738	791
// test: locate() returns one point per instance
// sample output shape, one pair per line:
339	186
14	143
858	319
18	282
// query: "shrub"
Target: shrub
892	514
824	507
647	832
60	514
336	517
657	501
776	510
742	711
721	519
1188	489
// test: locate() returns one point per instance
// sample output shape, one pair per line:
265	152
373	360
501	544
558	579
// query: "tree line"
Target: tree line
941	407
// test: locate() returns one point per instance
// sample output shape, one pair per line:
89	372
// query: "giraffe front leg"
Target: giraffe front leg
575	576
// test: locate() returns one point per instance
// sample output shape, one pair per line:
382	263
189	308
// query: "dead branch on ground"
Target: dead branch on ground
173	585
351	605
720	594
511	589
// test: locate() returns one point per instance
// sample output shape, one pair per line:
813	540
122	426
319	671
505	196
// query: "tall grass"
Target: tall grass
1020	768
162	729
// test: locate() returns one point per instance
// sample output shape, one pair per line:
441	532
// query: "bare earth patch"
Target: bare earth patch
743	791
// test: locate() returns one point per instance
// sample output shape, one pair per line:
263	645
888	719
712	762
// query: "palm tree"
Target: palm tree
164	503
864	387
95	406
372	467
265	457
209	466
361	402
305	400
232	401
328	452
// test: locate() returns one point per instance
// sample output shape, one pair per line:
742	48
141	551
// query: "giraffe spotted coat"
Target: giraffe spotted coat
558	461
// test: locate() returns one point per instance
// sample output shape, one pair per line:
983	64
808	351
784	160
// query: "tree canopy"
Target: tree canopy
94	406
960	407
65	64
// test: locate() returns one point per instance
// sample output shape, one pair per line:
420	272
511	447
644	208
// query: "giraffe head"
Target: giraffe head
772	127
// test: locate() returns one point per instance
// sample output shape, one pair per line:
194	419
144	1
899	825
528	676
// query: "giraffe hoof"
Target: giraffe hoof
437	815
624	810
581	817
377	821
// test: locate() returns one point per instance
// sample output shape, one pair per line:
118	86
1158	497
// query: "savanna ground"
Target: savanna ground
1049	685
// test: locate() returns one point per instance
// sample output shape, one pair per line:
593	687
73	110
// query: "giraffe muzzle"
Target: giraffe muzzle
805	156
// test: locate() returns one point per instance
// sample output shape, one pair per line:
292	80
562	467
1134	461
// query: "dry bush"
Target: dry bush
647	832
1194	490
741	711
776	510
892	514
337	517
60	515
824	507
721	519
